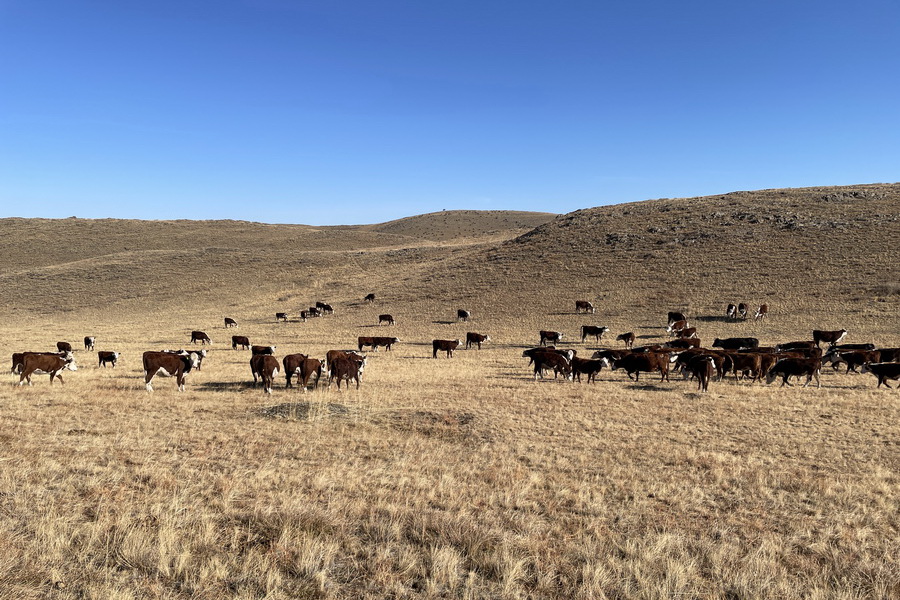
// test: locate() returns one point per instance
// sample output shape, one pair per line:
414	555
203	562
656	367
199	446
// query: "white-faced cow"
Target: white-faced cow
64	346
830	337
627	338
742	310
447	346
761	312
787	367
255	350
385	319
731	311
675	316
736	343
593	330
89	341
105	356
462	315
550	359
473	338
883	371
229	322
676	326
18	359
264	367
199	336
40	362
550	336
240	340
583	306
168	364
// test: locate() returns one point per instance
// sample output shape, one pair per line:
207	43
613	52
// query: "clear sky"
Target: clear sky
340	112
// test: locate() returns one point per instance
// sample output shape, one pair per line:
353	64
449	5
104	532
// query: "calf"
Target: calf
385	319
462	315
731	311
627	338
736	343
89	342
376	341
168	364
550	336
229	322
786	367
280	316
648	362
104	357
761	312
589	367
583	306
199	336
476	338
883	371
447	346
264	367
259	350
343	369
240	340
593	330
742	310
303	316
675	327
54	364
830	337
64	346
369	298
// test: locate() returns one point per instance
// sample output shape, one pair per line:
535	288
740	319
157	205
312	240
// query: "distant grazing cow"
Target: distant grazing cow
585	366
647	362
89	342
229	322
343	369
312	312
325	308
687	332
168	364
54	364
303	316
583	306
736	343
883	371
259	350
627	338
676	326
376	341
731	311
462	315
476	338
702	367
787	367
742	310
199	336
447	346
550	336
829	337
104	356
593	330
240	340
369	298
280	316
291	363
675	316
64	346
761	312
264	367
385	319
801	345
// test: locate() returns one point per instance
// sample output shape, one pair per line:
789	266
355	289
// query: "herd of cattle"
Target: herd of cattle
743	357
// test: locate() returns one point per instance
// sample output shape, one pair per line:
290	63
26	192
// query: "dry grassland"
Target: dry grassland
458	478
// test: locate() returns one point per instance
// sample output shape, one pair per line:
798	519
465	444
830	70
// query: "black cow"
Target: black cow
447	346
883	371
593	330
786	367
462	315
736	343
199	336
240	340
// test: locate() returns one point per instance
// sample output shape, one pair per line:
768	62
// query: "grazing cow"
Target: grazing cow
291	363
89	342
731	311
675	316
64	346
229	322
583	306
264	367
280	317
447	346
683	343
802	345
831	337
369	298
586	366
325	308
550	336
648	362
199	336
593	330
742	310
786	367
343	369
476	338
462	315
54	364
321	306
168	364
303	316
385	319
376	341
551	360
883	371
104	356
888	355
702	367
240	340
628	338
258	350
687	332
761	312
736	343
676	326
353	355
313	311
609	355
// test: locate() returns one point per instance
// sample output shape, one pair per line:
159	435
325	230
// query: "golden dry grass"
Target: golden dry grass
451	478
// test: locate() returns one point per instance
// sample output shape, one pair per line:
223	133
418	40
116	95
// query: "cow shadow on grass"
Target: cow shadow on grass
303	410
228	386
717	319
444	322
647	387
647	336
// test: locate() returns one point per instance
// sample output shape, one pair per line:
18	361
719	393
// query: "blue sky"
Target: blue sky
340	112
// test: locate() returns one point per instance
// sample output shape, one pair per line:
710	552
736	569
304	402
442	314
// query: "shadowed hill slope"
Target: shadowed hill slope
454	224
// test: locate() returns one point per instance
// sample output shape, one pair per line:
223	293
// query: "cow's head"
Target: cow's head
771	376
70	362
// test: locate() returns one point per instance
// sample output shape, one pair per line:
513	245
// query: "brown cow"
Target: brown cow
447	346
264	367
831	337
229	322
683	343
551	359
593	330
675	316
802	345
353	355
104	356
306	369
701	366
343	369
761	312
746	364
240	340
687	332
255	350
476	338
583	306
888	355
853	358
786	367
675	327
54	364
291	363
325	308
627	338
313	311
89	341
64	346
883	371
586	366
385	319
168	364
634	363
550	336
199	336
376	341
18	359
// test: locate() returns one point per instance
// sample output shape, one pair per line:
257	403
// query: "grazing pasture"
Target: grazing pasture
465	477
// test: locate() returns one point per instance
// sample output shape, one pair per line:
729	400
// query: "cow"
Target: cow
240	340
280	316
627	338
701	366
343	369
676	326
447	346
736	343
593	330
586	366
325	308
201	354
89	342
731	311
746	364
883	371
64	346
583	306
264	367
303	316
462	315
54	364
291	363
742	310
199	336
385	319
609	355
675	316
635	363
848	347
888	355
387	342
853	358
831	337
761	312
258	350
551	360
229	322
683	343
802	345
18	359
786	367
476	338
168	364
353	355
369	298
304	370
550	336
313	311
104	356
721	361
687	332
